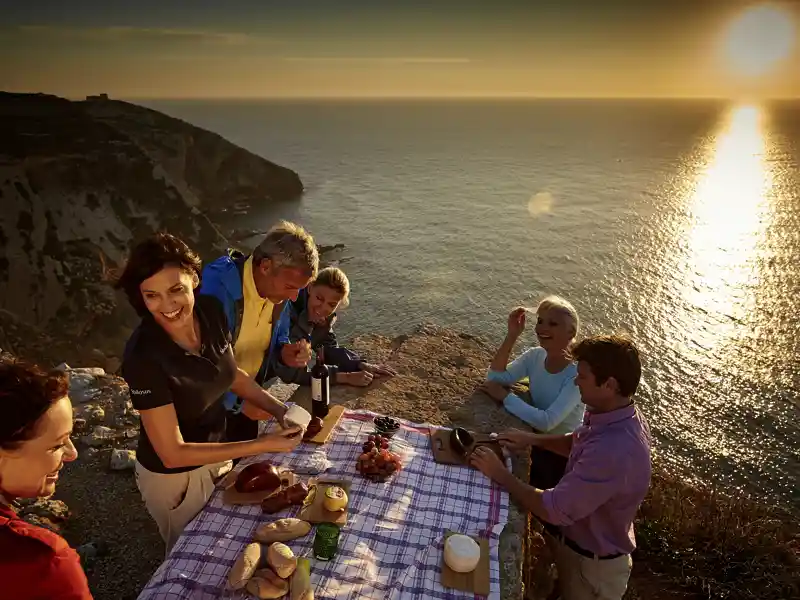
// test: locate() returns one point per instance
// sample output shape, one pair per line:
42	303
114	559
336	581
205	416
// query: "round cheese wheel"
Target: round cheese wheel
298	415
461	553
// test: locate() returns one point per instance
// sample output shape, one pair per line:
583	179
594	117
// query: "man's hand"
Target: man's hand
494	390
488	463
378	370
515	440
359	378
296	355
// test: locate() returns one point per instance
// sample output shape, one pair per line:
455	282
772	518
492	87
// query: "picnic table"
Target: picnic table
391	546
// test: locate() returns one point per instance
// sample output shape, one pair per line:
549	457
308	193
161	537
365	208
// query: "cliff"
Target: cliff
79	181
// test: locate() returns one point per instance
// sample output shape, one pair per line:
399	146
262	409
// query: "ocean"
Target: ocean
676	222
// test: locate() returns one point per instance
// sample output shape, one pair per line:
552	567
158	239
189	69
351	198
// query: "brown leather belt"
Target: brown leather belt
559	535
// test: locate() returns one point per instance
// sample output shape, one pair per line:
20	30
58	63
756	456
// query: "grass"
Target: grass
701	544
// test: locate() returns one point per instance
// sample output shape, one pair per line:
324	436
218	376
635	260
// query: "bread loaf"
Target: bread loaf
301	581
282	530
282	560
267	585
245	566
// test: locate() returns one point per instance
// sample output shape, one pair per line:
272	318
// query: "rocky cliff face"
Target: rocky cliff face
81	181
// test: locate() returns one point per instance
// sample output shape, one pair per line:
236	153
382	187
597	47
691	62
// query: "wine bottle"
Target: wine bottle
320	387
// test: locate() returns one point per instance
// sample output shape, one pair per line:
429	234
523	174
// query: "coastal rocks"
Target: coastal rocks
80	182
44	512
122	460
82	386
90	551
100	436
35	519
90	414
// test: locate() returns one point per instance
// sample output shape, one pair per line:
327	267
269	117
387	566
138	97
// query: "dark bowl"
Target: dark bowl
379	426
461	441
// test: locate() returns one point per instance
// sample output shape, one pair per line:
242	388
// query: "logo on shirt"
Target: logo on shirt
140	392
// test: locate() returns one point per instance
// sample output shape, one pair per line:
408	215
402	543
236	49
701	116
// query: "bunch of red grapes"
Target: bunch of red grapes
377	462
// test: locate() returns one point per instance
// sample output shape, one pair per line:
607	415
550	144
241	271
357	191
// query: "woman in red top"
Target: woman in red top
35	428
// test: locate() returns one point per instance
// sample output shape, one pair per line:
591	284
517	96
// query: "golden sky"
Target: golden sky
336	48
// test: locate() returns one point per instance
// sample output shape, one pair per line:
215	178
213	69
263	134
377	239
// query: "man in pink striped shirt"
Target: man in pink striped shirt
588	516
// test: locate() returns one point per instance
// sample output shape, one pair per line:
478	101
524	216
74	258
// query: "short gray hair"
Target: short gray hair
289	245
558	304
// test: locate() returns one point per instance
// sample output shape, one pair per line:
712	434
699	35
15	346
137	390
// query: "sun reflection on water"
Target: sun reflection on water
729	214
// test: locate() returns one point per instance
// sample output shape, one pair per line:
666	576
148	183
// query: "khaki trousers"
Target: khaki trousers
582	578
174	499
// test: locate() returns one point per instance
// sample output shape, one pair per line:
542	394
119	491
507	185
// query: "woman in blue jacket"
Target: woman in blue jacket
312	317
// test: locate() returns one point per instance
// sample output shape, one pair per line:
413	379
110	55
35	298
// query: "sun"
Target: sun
759	40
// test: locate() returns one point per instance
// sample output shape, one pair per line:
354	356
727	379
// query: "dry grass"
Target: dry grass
718	546
699	543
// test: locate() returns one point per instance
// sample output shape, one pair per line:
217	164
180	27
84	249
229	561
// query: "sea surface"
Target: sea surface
677	222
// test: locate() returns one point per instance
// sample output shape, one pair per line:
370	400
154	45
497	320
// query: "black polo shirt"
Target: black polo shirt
159	372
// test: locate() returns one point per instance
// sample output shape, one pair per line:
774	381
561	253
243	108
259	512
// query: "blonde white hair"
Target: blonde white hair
558	304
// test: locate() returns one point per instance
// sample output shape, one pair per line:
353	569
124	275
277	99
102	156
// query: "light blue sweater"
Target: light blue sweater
557	406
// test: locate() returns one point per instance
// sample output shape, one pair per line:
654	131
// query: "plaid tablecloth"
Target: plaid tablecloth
391	547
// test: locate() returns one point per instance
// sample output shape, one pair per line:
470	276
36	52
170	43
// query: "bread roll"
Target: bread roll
282	530
266	584
245	566
282	560
301	581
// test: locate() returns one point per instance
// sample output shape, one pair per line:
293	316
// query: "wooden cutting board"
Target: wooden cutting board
329	423
477	581
443	453
231	496
315	512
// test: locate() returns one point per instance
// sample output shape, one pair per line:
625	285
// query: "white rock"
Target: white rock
82	387
122	460
63	367
93	371
99	436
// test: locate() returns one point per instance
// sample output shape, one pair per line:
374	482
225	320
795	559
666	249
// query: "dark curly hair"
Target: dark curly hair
611	356
148	258
26	394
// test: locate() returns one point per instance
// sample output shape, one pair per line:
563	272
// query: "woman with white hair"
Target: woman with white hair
555	405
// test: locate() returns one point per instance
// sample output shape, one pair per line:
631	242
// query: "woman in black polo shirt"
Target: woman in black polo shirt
179	364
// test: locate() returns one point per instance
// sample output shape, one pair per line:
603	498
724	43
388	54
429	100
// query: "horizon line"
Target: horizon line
719	98
748	98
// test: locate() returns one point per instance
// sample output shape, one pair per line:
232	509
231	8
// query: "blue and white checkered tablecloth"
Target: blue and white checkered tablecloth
391	547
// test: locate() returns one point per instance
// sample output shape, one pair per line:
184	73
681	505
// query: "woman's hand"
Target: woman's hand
284	440
494	390
378	370
358	378
516	321
515	440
